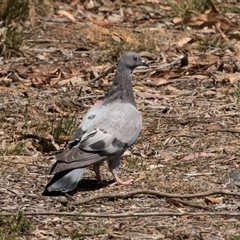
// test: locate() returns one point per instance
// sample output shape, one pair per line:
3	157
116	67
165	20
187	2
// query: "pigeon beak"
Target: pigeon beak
143	63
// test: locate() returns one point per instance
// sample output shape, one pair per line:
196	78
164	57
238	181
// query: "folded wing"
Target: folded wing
104	131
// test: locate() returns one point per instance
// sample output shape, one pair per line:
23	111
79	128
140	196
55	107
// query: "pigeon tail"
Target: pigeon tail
63	182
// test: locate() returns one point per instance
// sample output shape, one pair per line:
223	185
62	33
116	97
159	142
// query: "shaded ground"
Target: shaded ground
189	140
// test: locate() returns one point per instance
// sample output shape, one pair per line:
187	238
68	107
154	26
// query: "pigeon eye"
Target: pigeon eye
135	58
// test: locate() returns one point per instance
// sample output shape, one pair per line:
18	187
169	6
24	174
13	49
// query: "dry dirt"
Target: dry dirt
190	136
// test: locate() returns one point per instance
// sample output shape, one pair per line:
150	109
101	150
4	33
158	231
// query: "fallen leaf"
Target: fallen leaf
183	41
172	89
184	217
161	82
34	113
178	20
68	15
173	201
32	14
105	23
75	80
209	20
212	200
207	57
214	126
59	110
196	155
233	78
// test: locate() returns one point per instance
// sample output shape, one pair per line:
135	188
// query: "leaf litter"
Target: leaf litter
189	99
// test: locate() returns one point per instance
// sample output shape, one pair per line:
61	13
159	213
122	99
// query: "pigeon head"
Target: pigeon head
131	60
121	89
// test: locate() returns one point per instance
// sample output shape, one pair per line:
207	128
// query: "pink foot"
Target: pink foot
120	182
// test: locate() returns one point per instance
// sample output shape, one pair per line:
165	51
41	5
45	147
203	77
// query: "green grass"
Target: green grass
135	163
64	127
207	42
186	7
44	132
14	226
61	129
15	30
13	14
115	48
13	149
91	231
234	238
236	92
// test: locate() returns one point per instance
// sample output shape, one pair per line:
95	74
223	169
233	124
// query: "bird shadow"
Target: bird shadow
92	185
83	186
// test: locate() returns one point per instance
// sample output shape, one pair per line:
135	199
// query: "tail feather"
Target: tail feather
75	158
64	181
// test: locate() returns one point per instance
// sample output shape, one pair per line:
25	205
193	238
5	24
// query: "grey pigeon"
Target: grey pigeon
106	131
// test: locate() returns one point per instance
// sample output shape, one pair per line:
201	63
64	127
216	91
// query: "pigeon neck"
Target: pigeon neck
121	88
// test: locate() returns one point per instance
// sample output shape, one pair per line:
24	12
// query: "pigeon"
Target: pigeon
106	131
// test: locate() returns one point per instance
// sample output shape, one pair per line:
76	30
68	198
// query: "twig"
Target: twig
198	174
157	194
217	130
23	163
217	25
85	97
212	6
4	158
127	214
191	204
165	65
105	73
91	96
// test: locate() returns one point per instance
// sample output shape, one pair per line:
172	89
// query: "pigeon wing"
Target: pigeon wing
105	130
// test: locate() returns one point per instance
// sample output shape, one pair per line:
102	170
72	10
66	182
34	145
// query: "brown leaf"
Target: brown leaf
178	20
32	14
172	89
212	200
173	201
196	155
214	126
34	113
183	41
161	81
207	20
233	78
73	2
58	109
115	18
104	23
75	80
68	15
157	81
207	58
184	217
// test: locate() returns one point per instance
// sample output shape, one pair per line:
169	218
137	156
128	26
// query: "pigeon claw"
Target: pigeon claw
120	182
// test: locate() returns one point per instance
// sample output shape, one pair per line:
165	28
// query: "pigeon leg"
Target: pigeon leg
96	169
113	165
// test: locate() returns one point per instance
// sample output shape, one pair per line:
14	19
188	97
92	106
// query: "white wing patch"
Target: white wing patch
112	129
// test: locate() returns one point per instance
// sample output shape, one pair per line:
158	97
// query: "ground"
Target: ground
185	162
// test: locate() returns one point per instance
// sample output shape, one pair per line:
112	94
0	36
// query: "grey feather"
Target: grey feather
106	131
64	181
